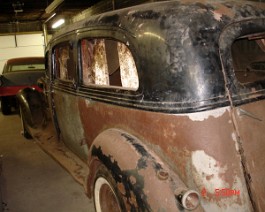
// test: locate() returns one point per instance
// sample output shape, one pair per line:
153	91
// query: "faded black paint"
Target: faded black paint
241	94
149	14
32	106
142	162
123	176
111	19
176	49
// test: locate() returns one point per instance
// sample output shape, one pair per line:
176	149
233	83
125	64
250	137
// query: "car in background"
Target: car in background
19	73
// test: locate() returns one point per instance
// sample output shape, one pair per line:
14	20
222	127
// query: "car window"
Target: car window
26	67
64	62
248	54
109	63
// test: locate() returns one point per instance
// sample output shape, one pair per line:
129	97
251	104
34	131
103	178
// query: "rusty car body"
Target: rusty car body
19	73
165	102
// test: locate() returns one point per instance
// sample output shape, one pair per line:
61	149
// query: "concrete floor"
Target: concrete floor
31	180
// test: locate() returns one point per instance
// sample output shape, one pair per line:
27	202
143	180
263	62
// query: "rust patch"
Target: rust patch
209	177
251	132
129	75
87	48
94	62
148	175
100	66
176	142
221	10
121	188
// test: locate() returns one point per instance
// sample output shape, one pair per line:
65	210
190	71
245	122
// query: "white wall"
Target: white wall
27	45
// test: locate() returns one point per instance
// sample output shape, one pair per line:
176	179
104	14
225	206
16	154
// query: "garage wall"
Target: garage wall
23	45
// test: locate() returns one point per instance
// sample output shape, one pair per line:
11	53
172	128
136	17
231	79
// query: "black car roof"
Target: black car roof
176	45
185	12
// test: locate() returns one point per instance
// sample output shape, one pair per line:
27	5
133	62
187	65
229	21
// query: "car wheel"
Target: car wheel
106	194
5	106
24	131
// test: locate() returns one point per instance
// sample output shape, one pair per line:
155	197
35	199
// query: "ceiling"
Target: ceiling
29	15
20	16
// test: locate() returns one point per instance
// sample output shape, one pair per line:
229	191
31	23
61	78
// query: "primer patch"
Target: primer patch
201	116
234	137
208	171
230	203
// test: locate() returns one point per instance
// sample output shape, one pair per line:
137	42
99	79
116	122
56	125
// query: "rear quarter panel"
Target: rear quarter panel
200	147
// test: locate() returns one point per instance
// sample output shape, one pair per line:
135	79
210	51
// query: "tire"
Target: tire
24	131
5	106
106	195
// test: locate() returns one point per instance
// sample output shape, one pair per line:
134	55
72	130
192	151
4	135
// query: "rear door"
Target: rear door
64	98
243	54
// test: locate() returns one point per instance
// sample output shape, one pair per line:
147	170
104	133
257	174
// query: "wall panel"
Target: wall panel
23	45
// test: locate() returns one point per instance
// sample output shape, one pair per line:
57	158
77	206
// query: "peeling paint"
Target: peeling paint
201	116
225	205
231	203
208	174
222	9
217	16
234	137
208	171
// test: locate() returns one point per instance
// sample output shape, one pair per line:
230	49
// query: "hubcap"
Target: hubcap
105	198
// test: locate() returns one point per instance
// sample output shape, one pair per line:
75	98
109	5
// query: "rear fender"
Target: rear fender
145	182
32	106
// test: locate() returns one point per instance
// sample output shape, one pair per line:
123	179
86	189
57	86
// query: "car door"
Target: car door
64	98
242	47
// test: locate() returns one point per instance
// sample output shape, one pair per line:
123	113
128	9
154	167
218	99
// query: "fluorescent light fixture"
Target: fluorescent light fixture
50	18
58	23
53	6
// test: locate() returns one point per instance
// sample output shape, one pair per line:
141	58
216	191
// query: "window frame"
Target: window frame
117	35
240	93
107	85
69	42
251	38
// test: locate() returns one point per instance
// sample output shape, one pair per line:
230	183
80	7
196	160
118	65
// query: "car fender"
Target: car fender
32	106
145	182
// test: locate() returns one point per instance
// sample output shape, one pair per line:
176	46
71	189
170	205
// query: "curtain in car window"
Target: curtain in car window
129	76
87	48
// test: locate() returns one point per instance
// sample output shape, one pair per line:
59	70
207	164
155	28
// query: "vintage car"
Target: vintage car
19	73
165	102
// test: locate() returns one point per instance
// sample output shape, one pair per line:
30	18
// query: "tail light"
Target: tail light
189	199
